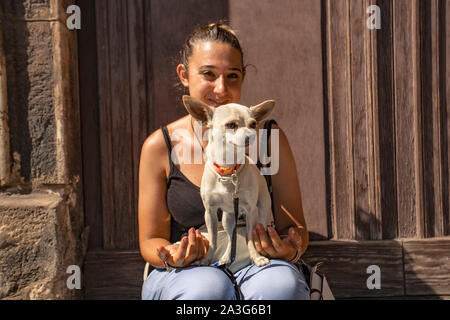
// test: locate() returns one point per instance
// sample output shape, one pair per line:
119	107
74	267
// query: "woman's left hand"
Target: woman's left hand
269	244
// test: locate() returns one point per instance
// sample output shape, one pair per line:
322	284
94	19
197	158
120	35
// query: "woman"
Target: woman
212	69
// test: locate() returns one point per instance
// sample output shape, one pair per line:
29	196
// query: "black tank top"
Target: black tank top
183	197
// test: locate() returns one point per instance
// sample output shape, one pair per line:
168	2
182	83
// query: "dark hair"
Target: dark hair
218	32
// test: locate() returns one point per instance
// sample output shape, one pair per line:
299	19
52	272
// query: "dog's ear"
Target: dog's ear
199	110
262	110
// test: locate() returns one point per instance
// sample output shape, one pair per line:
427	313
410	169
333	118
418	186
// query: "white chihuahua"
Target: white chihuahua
230	173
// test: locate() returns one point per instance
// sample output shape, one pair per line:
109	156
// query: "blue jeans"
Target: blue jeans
278	280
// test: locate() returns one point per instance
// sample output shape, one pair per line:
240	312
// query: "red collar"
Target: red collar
225	171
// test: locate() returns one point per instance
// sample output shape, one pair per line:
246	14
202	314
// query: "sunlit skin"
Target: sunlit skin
215	75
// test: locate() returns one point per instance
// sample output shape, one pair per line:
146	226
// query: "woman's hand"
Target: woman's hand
269	244
191	248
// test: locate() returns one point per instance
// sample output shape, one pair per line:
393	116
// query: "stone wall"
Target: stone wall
41	207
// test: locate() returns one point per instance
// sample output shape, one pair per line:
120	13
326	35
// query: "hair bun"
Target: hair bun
220	25
216	31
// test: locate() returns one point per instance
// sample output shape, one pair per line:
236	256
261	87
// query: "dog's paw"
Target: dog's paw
260	261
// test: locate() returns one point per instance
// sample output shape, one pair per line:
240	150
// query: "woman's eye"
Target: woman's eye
208	74
234	76
231	125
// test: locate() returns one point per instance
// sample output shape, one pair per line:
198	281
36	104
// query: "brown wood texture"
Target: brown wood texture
124	95
367	215
113	275
342	199
434	130
387	105
427	266
89	112
446	118
140	101
406	105
433	112
345	264
428	114
385	130
104	83
382	221
121	233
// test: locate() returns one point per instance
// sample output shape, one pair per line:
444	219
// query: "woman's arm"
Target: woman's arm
153	213
287	195
288	209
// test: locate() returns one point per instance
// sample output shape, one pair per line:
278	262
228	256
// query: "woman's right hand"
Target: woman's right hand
191	248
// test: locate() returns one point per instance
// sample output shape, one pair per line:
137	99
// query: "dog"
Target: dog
230	173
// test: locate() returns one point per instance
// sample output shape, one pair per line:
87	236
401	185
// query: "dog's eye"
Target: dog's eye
231	125
252	125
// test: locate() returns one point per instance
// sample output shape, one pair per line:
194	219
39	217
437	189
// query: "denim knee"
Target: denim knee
277	281
192	283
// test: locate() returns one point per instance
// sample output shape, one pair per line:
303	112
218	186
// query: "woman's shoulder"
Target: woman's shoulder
155	143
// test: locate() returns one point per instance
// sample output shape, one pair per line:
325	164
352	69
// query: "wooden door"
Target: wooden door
365	112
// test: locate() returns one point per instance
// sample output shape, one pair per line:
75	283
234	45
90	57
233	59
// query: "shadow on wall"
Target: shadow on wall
167	16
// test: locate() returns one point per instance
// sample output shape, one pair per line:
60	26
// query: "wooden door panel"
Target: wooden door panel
122	109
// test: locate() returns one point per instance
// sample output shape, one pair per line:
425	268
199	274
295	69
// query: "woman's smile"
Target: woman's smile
216	102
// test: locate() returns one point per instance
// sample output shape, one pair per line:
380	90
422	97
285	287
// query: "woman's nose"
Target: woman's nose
220	85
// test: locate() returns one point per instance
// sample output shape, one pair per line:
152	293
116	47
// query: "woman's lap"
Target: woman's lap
278	280
191	283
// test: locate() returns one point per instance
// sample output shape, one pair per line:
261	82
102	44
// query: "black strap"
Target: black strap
225	268
268	127
166	138
168	144
233	239
237	288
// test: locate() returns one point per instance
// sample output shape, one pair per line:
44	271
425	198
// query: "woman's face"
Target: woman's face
215	73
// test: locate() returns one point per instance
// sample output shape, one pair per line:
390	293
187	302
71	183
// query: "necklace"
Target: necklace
198	140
